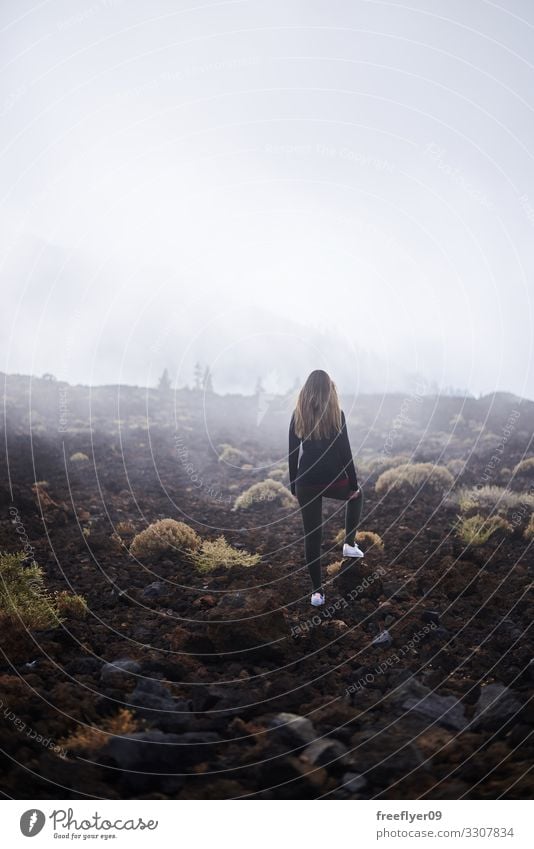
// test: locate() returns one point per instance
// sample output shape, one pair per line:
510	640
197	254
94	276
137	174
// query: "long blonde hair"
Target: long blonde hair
317	413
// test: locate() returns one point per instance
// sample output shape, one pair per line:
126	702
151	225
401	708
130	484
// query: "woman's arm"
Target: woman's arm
346	453
293	456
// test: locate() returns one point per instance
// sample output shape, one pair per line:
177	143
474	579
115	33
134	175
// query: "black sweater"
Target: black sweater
323	460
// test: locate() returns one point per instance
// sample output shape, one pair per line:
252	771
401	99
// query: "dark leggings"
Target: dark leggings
311	508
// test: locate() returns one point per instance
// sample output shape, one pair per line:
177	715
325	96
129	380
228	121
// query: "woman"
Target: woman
326	468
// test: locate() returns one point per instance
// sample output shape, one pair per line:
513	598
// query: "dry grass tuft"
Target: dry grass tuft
268	490
220	553
410	477
166	535
90	738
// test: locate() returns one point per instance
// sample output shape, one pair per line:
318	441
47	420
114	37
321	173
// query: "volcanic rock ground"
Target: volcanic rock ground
235	686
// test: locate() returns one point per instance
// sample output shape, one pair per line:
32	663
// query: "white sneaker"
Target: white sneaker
352	550
317	599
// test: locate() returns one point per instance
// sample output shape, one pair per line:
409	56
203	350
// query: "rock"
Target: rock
232	601
443	710
440	635
353	782
386	752
325	752
294	729
383	639
431	616
118	673
145	755
155	590
496	705
154	701
395	589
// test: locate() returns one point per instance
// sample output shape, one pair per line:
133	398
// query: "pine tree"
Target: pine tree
197	376
164	383
207	383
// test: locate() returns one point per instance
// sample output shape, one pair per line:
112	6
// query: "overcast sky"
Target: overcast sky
269	186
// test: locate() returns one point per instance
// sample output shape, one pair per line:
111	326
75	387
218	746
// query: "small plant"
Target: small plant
24	599
79	457
231	456
71	605
477	530
278	473
333	568
166	535
456	466
528	533
220	553
267	490
490	499
410	477
123	534
368	539
525	467
87	738
380	463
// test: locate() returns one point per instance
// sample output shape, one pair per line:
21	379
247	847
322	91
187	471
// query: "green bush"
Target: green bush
477	530
267	490
166	535
71	605
220	553
410	477
24	599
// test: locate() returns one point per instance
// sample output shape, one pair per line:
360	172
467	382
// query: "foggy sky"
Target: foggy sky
269	187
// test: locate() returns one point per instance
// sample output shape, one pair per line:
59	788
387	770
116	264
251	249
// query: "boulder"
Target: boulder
120	672
293	729
495	707
325	752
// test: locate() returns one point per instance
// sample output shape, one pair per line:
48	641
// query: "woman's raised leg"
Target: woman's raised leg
353	514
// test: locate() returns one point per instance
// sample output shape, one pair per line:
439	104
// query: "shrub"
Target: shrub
69	604
163	536
88	738
267	490
525	467
368	538
489	499
333	568
456	466
376	464
278	473
78	457
220	553
230	455
412	476
528	533
123	534
24	599
477	530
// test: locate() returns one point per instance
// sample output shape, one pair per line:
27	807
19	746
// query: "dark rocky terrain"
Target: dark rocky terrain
229	684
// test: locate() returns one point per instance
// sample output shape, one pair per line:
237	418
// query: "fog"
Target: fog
268	188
